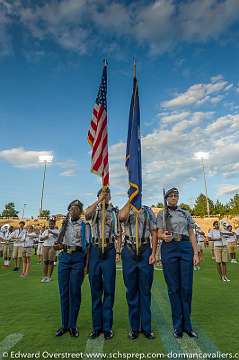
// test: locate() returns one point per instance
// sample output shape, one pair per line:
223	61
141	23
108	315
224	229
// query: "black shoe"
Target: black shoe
61	331
108	335
74	332
177	334
95	334
133	335
149	335
191	333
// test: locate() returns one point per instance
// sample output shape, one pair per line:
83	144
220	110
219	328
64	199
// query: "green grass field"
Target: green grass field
31	308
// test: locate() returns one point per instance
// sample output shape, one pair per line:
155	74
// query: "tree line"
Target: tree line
198	209
216	208
10	211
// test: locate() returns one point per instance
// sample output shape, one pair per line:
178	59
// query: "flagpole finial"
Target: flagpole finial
134	68
105	62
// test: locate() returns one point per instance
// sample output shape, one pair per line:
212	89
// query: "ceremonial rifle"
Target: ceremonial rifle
166	216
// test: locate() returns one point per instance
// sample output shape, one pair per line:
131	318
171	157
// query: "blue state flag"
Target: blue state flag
133	151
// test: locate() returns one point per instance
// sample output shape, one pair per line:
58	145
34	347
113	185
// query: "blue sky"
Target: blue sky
51	55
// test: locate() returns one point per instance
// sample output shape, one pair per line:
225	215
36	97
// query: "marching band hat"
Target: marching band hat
171	191
75	203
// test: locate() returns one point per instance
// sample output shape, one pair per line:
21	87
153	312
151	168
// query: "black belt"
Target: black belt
72	249
133	250
106	246
103	254
107	241
142	247
180	237
132	240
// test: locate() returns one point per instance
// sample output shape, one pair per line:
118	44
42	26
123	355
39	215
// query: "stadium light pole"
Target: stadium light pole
202	156
23	210
46	159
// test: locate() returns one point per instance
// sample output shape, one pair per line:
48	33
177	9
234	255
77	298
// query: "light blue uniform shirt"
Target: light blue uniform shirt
150	224
181	220
111	223
73	233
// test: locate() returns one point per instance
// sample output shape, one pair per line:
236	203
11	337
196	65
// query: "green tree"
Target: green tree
219	208
233	205
200	206
185	207
9	210
159	205
45	213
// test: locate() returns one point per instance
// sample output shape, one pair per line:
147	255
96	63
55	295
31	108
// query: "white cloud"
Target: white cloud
82	25
217	99
21	157
167	153
62	22
224	123
164	23
216	78
77	25
188	118
228	189
5	41
154	25
175	116
207	19
111	16
69	172
198	94
229	87
69	167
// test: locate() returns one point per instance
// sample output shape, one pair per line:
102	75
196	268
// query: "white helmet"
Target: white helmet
223	224
5	227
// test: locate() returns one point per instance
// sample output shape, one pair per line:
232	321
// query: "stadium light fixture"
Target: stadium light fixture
201	155
23	210
46	159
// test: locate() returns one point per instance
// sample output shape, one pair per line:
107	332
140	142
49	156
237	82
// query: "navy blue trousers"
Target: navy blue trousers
138	279
102	283
70	278
177	260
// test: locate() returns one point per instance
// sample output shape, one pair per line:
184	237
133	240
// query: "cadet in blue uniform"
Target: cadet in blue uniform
102	266
138	269
73	240
178	253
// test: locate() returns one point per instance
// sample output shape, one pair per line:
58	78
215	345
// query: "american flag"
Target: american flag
97	135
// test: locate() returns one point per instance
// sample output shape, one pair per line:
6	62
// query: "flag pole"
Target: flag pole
103	221
98	131
134	68
136	213
103	205
137	231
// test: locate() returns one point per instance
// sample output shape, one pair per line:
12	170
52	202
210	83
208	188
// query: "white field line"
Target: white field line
94	346
9	342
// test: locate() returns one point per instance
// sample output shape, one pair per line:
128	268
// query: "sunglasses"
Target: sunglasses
173	195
